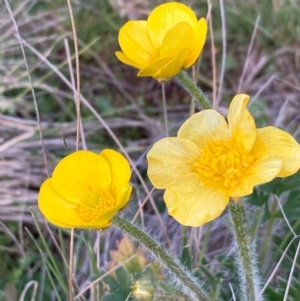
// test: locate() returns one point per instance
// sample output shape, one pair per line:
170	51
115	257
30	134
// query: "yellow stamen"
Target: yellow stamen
223	163
96	203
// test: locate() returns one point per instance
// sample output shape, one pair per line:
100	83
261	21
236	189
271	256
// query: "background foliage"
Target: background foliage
262	60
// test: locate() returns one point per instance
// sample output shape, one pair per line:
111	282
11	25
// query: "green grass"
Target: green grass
132	108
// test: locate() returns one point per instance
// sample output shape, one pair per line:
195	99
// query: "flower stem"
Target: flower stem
246	256
187	83
192	287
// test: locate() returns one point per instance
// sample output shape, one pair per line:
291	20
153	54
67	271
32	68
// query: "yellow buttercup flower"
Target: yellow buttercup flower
86	190
212	160
170	40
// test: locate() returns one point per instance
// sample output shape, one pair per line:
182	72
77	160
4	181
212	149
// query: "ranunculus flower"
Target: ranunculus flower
170	40
212	160
86	190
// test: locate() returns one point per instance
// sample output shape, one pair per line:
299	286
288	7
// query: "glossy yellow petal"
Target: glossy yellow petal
262	171
119	166
275	142
103	220
86	190
123	196
203	127
79	171
135	42
173	67
192	204
124	59
165	16
199	38
152	69
57	210
120	172
62	214
170	160
241	123
176	39
166	68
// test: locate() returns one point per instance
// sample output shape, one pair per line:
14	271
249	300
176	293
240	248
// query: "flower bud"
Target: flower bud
144	289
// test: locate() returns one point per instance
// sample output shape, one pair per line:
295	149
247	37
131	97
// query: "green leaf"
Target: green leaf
112	283
277	293
124	278
115	297
280	185
291	207
186	257
258	198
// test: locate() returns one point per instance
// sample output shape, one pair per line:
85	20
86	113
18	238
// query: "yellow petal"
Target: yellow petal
135	43
203	127
119	166
124	59
176	39
57	210
120	173
241	123
152	69
275	142
192	204
173	67
165	16
199	38
79	171
63	214
123	196
262	171
103	221
171	160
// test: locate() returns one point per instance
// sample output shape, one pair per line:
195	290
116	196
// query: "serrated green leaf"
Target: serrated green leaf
124	278
112	283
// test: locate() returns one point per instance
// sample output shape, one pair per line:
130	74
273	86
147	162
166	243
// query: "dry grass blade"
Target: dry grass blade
224	49
104	124
122	111
31	85
291	273
247	63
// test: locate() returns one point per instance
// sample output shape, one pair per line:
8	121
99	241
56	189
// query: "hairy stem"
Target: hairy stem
246	256
187	83
174	267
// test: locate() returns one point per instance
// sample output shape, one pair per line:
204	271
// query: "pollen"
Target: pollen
223	163
95	204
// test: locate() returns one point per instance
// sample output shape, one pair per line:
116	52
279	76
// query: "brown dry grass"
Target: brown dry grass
270	77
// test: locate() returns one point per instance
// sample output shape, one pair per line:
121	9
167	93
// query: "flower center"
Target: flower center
223	162
95	203
155	56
